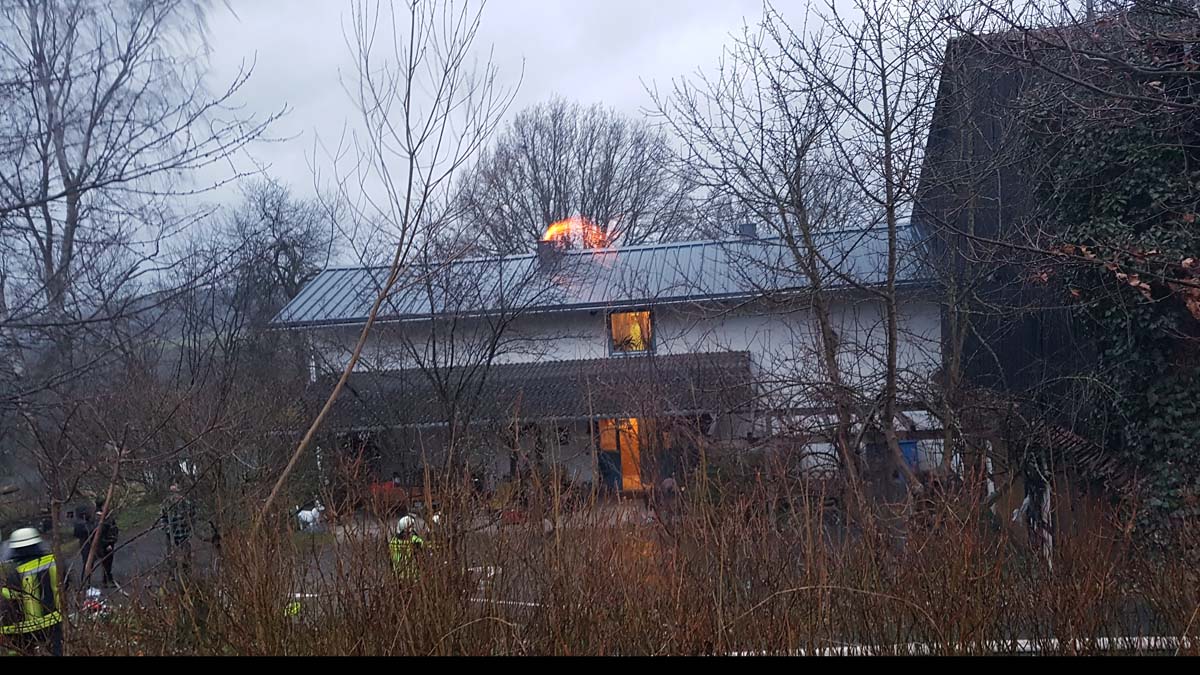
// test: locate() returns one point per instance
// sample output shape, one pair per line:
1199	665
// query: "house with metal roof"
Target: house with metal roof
613	365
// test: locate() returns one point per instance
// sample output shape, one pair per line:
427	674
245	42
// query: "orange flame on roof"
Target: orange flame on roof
579	229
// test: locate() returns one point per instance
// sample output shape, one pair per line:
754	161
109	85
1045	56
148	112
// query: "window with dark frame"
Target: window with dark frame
631	332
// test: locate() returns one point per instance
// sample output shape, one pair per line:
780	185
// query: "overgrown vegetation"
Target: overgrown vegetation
730	576
112	383
1121	178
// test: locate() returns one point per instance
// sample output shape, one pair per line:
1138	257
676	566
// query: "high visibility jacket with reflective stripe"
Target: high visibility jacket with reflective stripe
37	597
402	554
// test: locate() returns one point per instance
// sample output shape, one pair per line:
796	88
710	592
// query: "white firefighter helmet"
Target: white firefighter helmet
25	536
410	524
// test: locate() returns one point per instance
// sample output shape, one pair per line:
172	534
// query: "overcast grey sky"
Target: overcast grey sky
584	50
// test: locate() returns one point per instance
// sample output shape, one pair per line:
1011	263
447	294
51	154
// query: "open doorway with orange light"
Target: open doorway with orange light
620	455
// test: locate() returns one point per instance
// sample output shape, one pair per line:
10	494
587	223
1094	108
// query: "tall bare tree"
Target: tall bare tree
425	110
276	242
106	124
816	129
105	112
761	151
558	159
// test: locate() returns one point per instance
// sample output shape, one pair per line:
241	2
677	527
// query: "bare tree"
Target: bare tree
758	150
106	120
817	130
557	160
105	111
276	243
194	388
425	111
279	238
878	64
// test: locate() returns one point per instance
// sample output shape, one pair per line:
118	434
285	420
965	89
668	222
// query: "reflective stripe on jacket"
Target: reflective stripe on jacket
37	597
403	558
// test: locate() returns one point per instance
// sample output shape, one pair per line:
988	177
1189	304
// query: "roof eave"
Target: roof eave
908	285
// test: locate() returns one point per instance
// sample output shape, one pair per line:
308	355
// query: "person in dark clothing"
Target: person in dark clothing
215	539
662	500
30	607
108	533
178	518
85	523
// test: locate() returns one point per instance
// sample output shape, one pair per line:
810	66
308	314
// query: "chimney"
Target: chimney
747	231
550	252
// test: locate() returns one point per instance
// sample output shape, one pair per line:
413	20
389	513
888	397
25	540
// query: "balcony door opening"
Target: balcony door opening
620	454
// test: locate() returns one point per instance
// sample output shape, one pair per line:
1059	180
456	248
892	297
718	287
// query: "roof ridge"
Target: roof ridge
665	245
663	273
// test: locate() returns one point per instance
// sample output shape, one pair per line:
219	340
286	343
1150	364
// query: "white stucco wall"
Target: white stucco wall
783	343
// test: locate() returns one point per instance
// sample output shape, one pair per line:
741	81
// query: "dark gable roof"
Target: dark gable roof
633	386
988	83
588	279
976	123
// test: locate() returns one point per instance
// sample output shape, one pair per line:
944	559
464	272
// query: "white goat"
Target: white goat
309	519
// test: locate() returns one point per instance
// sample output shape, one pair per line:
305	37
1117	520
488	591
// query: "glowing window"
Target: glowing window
620	437
631	332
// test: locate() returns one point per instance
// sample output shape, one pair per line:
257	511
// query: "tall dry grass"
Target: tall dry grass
756	569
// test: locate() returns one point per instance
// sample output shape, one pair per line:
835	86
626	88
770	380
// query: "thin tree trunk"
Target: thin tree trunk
112	483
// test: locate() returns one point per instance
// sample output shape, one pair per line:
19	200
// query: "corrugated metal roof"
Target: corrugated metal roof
587	279
586	389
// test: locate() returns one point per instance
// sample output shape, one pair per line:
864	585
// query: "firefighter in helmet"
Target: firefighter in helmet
30	609
405	545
